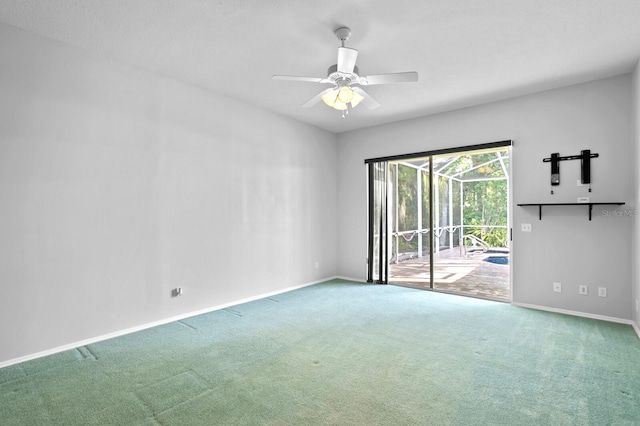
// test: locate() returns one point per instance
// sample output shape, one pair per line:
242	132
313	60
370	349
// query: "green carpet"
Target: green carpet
342	353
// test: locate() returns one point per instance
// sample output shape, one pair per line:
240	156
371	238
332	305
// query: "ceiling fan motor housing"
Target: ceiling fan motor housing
338	77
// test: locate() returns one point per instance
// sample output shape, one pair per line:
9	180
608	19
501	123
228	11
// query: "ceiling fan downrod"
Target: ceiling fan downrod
343	34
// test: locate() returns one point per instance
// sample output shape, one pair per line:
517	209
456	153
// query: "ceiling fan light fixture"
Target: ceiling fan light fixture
341	98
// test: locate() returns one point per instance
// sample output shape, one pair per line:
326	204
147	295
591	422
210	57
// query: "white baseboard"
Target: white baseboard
153	324
577	314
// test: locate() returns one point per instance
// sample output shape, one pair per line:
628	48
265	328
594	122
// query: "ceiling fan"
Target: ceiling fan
345	80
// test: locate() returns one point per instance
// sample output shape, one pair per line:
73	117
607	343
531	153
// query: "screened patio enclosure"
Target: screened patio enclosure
462	234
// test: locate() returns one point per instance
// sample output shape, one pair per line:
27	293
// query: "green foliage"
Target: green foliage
484	202
407	198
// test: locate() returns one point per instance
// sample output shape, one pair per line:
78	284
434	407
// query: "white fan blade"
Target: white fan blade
346	59
368	101
311	102
398	77
299	78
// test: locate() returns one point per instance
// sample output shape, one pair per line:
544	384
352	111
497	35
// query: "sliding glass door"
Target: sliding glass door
378	270
441	221
410	211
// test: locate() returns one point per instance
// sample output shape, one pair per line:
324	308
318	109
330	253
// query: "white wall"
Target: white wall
565	246
117	185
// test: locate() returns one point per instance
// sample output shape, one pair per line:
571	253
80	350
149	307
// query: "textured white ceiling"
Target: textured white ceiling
466	51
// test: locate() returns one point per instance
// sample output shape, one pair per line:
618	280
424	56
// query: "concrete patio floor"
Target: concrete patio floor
453	273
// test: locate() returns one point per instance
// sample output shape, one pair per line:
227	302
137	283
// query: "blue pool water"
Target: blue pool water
500	260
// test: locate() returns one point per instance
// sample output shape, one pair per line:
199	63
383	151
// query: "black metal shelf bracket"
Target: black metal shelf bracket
613	203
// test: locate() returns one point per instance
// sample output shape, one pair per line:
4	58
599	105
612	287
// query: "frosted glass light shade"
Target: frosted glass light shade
340	98
357	98
345	94
339	105
330	97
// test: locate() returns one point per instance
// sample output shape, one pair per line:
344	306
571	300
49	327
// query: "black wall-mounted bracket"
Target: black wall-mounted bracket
555	168
585	169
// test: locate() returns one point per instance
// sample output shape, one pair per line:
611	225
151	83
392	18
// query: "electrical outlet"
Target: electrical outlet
602	291
557	287
526	227
177	292
584	290
317	265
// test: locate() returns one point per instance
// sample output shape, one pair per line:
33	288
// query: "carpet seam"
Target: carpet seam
184	324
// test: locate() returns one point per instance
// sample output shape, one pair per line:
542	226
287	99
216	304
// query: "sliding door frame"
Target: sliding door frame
382	273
